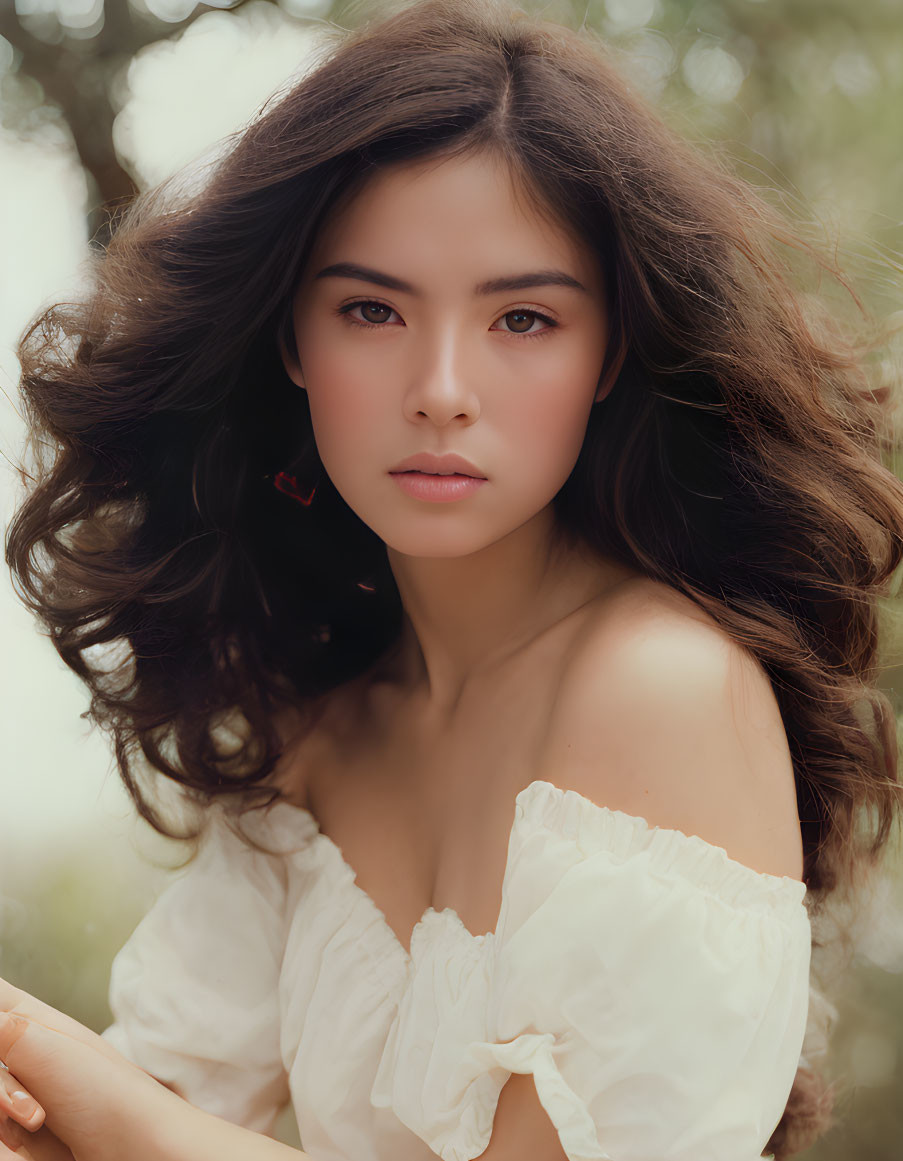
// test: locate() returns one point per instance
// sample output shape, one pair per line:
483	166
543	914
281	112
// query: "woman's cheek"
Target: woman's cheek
342	417
547	431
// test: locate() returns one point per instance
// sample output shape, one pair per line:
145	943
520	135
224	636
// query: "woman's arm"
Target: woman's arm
189	1134
105	1108
180	1132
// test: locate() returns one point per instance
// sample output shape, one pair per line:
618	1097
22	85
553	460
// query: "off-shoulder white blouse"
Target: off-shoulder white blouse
656	989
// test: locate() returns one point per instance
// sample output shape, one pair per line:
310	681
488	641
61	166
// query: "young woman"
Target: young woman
558	756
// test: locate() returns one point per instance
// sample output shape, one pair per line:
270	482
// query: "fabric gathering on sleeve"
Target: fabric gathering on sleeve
656	989
194	990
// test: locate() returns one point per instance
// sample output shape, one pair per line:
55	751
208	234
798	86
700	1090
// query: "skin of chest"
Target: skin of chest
422	811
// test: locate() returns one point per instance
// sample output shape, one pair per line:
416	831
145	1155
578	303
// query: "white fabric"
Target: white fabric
656	989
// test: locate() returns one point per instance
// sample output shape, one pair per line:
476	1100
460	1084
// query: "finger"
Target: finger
11	996
19	1104
24	1052
21	1150
13	1140
18	1002
7	1129
65	1075
39	1146
12	1029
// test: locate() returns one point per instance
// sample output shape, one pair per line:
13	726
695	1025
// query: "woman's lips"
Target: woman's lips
438	489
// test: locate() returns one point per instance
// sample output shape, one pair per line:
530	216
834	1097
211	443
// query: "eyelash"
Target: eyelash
344	310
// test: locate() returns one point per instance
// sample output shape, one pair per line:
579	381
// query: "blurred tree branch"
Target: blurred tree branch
76	75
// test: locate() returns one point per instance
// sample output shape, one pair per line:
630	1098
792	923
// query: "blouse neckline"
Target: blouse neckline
595	828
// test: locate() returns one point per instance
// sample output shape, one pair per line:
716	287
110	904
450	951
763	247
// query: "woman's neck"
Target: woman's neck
465	616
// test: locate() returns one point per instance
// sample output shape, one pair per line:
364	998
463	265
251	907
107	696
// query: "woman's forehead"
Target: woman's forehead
469	212
479	182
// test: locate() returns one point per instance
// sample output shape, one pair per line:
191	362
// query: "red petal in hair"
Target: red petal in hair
289	485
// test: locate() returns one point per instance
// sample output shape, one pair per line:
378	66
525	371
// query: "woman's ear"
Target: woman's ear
291	362
611	369
606	382
288	346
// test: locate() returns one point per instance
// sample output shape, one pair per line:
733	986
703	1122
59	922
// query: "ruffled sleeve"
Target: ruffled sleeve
656	989
194	992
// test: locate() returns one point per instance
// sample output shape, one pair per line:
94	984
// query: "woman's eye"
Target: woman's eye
379	309
531	315
375	315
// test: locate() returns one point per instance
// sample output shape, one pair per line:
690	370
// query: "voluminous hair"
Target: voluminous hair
738	457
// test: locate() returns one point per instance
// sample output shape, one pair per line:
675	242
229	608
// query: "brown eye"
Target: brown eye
521	326
366	304
520	321
377	307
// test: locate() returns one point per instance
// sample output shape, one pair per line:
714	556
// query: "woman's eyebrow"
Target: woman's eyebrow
491	286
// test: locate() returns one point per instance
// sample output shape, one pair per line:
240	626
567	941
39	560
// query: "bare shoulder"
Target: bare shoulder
660	713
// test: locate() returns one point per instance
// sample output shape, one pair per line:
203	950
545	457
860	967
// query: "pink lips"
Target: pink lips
438	489
431	463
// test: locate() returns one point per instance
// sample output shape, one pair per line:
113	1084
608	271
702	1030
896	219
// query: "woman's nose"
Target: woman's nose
443	388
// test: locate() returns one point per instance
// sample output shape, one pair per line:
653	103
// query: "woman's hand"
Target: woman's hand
97	1105
21	1125
25	1145
17	1104
34	1141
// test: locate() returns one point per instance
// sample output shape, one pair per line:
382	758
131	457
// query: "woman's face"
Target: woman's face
440	363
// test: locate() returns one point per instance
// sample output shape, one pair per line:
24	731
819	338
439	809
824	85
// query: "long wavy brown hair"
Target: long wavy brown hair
739	457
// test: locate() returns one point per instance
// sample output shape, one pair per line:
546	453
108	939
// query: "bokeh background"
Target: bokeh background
101	99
